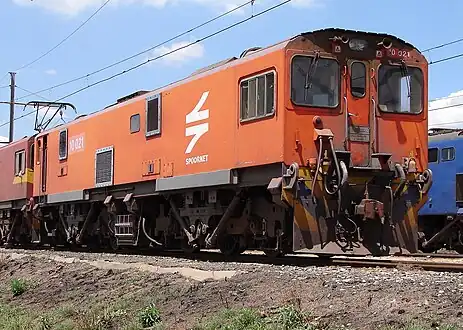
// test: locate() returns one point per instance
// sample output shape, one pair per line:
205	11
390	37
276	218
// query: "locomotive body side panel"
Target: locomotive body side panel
193	127
16	170
445	194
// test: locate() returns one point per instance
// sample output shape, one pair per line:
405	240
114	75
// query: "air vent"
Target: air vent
104	170
131	96
249	51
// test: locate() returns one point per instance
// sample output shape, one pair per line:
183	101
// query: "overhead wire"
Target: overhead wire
144	51
32	93
66	38
442	45
160	56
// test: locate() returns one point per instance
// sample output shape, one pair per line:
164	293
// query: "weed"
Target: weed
289	317
18	287
150	316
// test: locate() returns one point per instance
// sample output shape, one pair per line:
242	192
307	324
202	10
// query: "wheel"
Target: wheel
189	248
273	253
231	244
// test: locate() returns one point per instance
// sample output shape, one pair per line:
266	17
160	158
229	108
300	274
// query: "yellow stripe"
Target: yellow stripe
28	177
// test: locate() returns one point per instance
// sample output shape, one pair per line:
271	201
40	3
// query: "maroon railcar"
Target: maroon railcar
16	182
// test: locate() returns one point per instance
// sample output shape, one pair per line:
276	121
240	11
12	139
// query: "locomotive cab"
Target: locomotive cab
356	135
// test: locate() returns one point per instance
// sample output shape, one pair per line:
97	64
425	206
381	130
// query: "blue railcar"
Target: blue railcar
439	214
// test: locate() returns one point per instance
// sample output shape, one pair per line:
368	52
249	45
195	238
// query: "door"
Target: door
358	116
43	164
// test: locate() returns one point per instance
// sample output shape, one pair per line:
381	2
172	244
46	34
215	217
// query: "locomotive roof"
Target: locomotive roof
221	65
446	136
339	30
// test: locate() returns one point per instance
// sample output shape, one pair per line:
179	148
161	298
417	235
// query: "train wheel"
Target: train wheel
273	253
231	244
190	248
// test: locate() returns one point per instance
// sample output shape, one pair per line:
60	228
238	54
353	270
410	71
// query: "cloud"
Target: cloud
51	72
75	7
447	111
3	140
180	56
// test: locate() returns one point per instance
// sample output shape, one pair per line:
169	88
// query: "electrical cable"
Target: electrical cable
445	59
443	45
69	36
32	93
159	57
142	52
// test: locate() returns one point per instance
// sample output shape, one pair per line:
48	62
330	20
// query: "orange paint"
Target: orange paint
203	112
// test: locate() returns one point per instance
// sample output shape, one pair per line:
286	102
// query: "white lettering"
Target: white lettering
194	116
196	159
76	143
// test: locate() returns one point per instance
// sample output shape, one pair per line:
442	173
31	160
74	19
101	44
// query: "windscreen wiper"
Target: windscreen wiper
309	75
406	75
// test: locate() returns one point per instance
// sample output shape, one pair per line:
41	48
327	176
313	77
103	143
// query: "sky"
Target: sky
125	27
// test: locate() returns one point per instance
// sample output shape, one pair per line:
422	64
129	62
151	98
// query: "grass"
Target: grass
285	318
106	318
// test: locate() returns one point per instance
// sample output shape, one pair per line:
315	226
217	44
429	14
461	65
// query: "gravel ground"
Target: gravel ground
353	298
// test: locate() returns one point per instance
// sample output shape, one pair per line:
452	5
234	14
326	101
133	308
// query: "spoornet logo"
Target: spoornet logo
198	130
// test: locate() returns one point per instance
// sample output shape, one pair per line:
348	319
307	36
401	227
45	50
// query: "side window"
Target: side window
432	155
20	162
448	154
358	79
63	144
257	96
153	115
135	123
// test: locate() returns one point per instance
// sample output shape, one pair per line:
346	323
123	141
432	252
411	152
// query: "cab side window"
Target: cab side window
433	155
20	162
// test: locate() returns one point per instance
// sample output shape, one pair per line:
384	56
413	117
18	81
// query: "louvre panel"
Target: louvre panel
104	167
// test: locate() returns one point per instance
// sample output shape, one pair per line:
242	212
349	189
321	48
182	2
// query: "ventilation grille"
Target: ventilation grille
104	167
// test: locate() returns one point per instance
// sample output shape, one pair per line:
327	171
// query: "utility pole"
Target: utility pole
12	89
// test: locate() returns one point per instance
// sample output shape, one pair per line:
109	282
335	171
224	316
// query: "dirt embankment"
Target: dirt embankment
74	289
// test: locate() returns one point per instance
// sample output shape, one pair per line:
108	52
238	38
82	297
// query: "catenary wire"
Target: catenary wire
159	57
66	38
142	52
31	93
442	45
445	59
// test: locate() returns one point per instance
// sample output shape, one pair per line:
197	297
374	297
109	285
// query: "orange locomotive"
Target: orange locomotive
227	157
16	180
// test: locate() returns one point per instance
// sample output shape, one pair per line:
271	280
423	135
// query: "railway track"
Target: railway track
441	262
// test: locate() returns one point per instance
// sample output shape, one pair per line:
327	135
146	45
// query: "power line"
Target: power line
160	56
69	36
443	45
445	59
141	52
31	93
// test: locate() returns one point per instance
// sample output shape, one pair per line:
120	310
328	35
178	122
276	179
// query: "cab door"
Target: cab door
358	112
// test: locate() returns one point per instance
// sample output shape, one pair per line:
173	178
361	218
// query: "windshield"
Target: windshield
400	89
315	83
